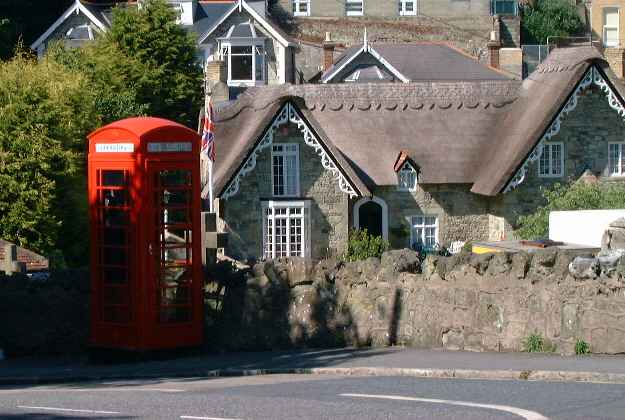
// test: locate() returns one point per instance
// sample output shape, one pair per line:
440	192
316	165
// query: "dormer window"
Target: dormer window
407	178
244	53
80	33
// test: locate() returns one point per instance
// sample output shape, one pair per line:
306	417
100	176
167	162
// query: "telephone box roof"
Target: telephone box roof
140	126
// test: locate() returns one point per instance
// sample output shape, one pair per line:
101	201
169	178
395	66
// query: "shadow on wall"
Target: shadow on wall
293	303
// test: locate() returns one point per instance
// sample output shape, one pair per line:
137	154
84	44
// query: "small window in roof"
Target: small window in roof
407	178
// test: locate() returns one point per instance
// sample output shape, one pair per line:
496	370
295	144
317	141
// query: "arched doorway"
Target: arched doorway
372	214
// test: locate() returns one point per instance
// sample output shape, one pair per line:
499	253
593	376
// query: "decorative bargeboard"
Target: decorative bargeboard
592	76
287	114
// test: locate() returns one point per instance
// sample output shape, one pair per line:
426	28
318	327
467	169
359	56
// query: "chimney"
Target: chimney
216	77
494	43
328	52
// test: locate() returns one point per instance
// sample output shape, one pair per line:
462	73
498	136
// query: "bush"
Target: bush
534	343
582	347
549	18
578	196
361	246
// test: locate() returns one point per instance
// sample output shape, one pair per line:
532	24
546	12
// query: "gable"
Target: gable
245	11
592	76
75	9
365	57
330	158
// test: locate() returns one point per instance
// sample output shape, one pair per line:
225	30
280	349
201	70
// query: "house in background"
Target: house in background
405	63
607	25
397	8
421	164
250	49
15	259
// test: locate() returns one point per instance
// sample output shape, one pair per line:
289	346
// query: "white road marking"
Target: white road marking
205	418
526	414
72	410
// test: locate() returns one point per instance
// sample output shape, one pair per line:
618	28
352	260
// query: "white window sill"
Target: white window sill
301	14
355	14
245	83
550	176
408	14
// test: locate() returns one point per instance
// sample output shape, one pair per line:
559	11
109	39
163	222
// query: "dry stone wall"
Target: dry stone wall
464	302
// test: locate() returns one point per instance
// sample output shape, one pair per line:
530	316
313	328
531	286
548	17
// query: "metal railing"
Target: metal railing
533	55
504	7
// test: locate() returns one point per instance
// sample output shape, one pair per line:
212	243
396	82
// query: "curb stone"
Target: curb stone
528	375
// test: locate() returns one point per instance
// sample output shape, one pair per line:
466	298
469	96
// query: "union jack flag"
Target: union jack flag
208	137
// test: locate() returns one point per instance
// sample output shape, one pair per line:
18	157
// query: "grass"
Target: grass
582	347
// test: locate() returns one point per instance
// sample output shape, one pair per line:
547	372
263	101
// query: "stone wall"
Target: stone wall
328	205
44	316
465	302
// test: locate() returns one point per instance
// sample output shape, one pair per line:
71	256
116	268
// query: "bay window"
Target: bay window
244	54
286	229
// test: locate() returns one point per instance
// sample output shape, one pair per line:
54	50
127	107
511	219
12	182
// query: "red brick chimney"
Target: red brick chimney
328	52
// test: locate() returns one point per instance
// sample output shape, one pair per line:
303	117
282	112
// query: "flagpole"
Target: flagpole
210	186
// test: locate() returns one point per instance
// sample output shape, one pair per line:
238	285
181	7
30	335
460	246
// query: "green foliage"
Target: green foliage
582	347
549	18
362	245
44	115
577	196
534	343
160	60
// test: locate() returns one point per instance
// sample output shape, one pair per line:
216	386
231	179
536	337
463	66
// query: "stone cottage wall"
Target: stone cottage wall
461	214
466	302
328	205
585	133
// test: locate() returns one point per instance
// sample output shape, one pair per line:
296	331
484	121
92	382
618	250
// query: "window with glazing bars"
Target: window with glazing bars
407	7
407	178
423	232
285	229
551	163
354	7
285	169
301	7
616	163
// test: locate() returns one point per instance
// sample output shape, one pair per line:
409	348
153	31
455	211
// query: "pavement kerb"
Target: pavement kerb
529	375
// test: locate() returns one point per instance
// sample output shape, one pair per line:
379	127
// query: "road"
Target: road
301	397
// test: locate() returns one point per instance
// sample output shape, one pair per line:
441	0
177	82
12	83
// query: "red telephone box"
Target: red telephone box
144	207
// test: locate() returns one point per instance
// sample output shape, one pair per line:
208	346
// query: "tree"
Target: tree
549	18
578	196
161	60
43	115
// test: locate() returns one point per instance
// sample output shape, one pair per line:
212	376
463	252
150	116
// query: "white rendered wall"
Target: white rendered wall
581	227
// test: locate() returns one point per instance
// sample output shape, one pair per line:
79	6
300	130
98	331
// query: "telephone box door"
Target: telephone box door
173	254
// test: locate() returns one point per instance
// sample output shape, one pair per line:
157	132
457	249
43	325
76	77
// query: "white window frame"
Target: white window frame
285	153
403	10
605	27
352	12
258	49
423	226
621	159
550	173
404	184
89	31
269	250
297	7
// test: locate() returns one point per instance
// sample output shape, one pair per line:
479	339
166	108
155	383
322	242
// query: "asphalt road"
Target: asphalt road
297	397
